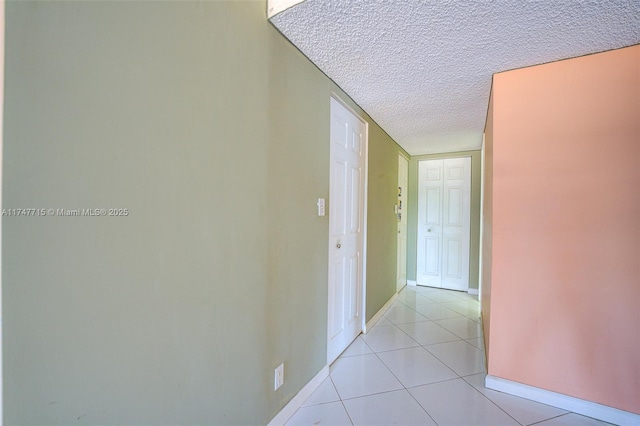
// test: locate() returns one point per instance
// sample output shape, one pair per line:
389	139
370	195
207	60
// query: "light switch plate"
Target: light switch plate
278	379
320	205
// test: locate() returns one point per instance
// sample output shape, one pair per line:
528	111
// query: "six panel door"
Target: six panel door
346	234
444	196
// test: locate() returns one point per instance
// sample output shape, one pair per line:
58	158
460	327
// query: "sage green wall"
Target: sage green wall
298	153
204	122
382	224
412	220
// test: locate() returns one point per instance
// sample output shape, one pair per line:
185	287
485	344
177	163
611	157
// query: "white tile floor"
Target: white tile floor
422	364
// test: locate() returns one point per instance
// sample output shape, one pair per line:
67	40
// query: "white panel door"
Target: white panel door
346	229
456	214
430	185
401	211
444	194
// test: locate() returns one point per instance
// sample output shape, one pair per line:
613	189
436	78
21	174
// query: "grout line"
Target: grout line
344	407
317	405
550	418
403	386
370	348
492	402
375	393
420	405
336	389
436	382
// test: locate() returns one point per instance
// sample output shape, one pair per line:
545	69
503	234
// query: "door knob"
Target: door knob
338	245
429	230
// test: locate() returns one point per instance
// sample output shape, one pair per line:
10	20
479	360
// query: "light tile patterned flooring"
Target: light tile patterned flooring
422	364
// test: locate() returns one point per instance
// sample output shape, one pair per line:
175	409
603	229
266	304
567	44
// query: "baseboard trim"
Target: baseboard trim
473	291
368	326
296	402
565	402
412	283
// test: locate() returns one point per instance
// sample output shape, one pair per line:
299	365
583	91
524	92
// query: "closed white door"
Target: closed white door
346	229
444	197
401	212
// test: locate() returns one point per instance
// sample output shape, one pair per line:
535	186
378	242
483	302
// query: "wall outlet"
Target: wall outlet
278	377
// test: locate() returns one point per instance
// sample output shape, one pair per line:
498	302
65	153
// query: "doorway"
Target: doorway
444	198
347	171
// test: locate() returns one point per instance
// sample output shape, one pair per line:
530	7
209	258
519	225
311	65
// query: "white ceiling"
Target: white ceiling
422	69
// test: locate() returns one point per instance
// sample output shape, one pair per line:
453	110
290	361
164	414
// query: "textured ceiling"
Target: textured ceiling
422	69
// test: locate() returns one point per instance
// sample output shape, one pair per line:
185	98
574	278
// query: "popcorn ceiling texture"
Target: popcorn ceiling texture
423	69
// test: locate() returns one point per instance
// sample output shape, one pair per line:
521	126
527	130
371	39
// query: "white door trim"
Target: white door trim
2	22
480	260
334	96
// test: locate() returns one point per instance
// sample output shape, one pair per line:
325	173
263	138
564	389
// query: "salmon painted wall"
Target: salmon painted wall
565	286
487	225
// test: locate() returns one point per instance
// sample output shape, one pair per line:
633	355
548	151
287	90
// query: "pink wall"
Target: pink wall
565	270
487	226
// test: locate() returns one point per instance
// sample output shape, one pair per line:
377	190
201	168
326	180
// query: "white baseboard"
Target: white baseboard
473	291
296	402
565	402
412	283
368	326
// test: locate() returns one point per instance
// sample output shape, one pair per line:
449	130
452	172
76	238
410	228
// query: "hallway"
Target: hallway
422	364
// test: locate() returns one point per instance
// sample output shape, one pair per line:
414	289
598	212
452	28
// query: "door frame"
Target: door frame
2	50
481	249
365	190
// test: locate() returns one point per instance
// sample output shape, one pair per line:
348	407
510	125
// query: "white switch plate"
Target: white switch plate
278	377
320	205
